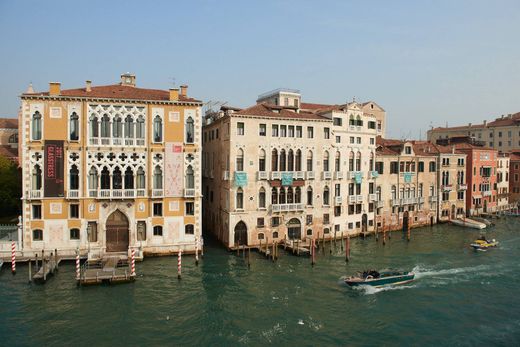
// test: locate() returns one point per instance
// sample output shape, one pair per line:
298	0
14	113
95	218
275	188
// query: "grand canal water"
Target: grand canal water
460	297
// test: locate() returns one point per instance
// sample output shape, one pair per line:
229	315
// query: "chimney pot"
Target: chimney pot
184	90
54	88
174	94
88	84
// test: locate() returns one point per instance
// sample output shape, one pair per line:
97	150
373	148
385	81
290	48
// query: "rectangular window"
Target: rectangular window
337	121
309	219
74	234
371	125
352	139
432	166
157	230
338	139
74	210
274	130
351	209
408	150
326	133
157	209
394	167
337	211
291	131
240	128
37	211
283	131
326	218
37	235
141	230
336	228
358	140
262	130
190	209
260	222
299	132
275	221
310	132
92	231
372	141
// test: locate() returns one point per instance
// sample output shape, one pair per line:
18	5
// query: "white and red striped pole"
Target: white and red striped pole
78	273
13	257
133	263
179	264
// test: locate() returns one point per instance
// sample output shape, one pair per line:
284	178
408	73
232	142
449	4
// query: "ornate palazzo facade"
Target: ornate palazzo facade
110	168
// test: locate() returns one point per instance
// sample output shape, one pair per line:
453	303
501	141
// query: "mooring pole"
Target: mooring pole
196	252
13	258
347	248
78	273
249	258
30	270
56	258
313	252
179	264
43	266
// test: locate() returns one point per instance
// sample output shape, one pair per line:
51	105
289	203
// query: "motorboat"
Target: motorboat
482	243
466	222
378	279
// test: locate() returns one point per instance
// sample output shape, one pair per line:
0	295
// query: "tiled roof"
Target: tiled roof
424	148
265	110
514	156
9	123
465	145
117	91
311	106
514	119
8	152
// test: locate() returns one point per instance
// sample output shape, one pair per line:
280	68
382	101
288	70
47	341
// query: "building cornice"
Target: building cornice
112	100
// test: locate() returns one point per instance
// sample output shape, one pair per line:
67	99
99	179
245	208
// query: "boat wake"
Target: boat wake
370	290
421	272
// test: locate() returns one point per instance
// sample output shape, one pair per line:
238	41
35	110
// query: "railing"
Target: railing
486	193
71	194
129	142
35	194
447	188
262	175
396	202
276	175
299	175
105	141
287	207
420	200
338	175
463	186
141	192
115	141
157	193
139	142
310	175
129	193
372	197
326	175
225	176
337	200
189	192
93	141
352	199
379	204
432	199
359	198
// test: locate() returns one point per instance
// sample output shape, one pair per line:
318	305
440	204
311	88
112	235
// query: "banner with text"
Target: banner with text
54	166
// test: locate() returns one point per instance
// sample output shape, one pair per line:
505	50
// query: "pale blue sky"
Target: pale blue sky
425	62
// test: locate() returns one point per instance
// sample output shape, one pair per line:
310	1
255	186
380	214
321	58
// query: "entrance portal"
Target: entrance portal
405	221
364	223
294	229
117	232
241	233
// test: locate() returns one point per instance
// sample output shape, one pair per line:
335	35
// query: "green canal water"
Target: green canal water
460	297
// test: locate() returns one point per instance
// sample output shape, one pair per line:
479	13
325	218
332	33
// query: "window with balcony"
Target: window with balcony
36	126
358	161
283	159
157	178
94	127
326	161
129	129
351	161
141	179
309	161
298	161
359	121
337	162
74	178
105	126
290	160
190	130
261	160
274	160
190	178
274	196
371	162
117	130
74	127
309	196
140	129
393	191
129	178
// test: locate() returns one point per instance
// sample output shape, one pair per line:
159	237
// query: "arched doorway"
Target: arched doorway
364	223
117	232
294	229
405	221
485	206
241	233
453	212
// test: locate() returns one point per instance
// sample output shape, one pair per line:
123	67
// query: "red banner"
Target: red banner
54	166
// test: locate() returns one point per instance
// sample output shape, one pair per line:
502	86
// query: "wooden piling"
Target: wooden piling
408	231
341	242
330	244
56	258
179	264
249	258
323	242
43	266
30	270
313	252
347	248
273	255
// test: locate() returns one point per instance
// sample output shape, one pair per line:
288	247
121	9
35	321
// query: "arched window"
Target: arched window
157	178
105	178
274	196
309	196
352	121
74	178
93	179
37	178
261	198
261	160
190	178
326	196
139	131
141	179
240	160
274	160
337	162
358	161
190	130
189	229
74	127
309	161
283	166
359	122
36	126
290	160
129	127
297	195
378	193
281	195
94	127
105	126
351	161
290	195
298	161
157	129
117	179
240	199
326	161
371	163
275	235
117	128
13	138
129	178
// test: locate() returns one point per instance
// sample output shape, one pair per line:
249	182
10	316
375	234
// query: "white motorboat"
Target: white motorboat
469	223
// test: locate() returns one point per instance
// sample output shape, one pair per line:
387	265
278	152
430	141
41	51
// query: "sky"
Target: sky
425	62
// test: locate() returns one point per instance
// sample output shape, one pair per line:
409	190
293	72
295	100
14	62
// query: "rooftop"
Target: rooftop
8	123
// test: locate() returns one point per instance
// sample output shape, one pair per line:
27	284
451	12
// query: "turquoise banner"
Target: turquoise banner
407	177
287	178
375	174
358	176
240	179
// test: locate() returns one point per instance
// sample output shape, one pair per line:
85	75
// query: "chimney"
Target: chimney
485	123
54	88
127	79
453	149
30	89
174	94
88	85
184	90
469	125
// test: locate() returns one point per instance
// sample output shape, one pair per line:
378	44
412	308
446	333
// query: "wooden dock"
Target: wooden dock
47	269
111	269
297	247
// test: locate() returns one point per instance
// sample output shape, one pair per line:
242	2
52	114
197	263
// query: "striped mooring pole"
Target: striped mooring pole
179	264
13	257
133	263
78	273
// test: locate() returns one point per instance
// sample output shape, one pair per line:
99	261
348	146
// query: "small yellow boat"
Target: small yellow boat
482	243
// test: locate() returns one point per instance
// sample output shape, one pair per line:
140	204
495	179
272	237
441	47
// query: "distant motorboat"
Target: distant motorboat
483	244
484	220
470	223
377	279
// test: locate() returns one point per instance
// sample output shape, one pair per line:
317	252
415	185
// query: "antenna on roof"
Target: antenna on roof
172	81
